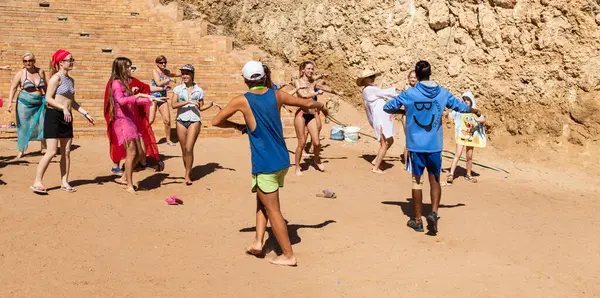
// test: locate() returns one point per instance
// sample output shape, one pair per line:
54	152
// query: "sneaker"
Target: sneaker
432	220
117	171
417	226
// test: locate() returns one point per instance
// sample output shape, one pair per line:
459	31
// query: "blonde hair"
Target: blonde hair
28	54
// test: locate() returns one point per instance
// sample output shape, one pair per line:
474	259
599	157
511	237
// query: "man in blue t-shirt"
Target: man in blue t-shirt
424	105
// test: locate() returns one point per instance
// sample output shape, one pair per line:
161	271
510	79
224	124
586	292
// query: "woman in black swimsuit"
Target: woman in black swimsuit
31	103
309	86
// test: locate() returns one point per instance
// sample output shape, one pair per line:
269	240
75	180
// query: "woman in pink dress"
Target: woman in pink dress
123	112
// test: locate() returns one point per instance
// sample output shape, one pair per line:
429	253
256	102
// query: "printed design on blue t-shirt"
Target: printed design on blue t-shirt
426	113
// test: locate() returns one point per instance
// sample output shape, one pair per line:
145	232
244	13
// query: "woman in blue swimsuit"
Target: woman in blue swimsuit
31	104
161	77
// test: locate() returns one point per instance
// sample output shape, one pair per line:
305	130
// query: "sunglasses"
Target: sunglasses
27	61
69	60
163	62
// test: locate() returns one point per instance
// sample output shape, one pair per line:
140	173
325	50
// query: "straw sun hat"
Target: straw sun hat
360	81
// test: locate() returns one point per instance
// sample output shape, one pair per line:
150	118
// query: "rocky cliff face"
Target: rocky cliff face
533	64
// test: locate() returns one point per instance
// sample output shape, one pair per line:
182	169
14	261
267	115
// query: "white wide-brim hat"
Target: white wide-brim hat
366	74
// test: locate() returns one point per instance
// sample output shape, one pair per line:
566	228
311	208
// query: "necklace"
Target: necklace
257	88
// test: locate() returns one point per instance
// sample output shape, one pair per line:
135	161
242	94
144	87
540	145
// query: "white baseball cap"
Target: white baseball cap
253	71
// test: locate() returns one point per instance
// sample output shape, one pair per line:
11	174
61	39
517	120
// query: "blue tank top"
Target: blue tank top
267	146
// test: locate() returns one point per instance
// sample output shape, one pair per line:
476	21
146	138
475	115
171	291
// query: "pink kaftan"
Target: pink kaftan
125	111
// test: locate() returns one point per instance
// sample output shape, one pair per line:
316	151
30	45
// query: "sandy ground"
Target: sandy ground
533	233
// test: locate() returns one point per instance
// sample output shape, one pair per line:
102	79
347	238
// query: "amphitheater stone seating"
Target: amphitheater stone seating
97	34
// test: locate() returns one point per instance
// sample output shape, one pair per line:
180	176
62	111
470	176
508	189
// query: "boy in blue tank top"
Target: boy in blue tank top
424	105
270	158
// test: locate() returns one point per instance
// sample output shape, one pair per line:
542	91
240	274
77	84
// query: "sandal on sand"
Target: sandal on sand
327	193
450	179
117	171
174	200
68	189
471	179
39	190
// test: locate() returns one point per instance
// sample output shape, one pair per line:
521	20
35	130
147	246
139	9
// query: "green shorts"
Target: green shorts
269	182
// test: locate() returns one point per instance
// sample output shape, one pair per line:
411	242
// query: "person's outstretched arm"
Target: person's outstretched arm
283	98
394	105
221	119
456	104
328	89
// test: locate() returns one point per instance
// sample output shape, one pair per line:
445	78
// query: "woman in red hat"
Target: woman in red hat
58	122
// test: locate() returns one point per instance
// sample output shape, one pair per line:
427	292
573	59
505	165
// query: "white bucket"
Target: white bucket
351	134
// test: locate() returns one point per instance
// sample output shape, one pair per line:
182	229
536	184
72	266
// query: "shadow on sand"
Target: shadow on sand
271	243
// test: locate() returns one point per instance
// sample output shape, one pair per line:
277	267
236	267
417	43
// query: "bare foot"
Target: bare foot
19	155
378	171
131	190
255	249
121	180
284	261
170	143
299	171
188	182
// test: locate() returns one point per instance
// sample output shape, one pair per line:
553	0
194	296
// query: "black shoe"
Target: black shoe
417	226
432	220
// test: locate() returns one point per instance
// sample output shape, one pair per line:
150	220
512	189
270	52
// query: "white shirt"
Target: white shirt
188	112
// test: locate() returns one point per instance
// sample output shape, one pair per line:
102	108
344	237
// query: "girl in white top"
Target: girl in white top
383	123
188	99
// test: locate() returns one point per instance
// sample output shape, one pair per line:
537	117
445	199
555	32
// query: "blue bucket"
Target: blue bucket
337	133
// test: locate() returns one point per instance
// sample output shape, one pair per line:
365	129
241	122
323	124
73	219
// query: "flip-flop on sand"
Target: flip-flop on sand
327	193
68	189
174	200
38	190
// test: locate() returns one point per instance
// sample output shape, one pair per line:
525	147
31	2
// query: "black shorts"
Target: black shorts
55	126
186	124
